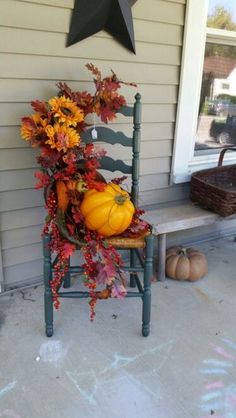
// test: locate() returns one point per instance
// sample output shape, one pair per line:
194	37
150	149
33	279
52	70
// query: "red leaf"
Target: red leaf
106	114
83	99
94	70
68	249
44	179
88	150
65	90
92	164
28	122
118	180
40	107
92	183
105	272
71	228
118	291
138	228
77	215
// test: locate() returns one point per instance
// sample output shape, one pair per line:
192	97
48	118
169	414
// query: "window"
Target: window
225	86
207	97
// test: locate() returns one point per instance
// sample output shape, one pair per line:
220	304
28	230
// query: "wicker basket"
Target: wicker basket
215	188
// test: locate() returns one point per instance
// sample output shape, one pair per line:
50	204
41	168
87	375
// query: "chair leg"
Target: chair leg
161	267
66	279
132	281
147	286
48	301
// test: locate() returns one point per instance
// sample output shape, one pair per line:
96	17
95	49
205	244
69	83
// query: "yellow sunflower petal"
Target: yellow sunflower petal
66	111
62	137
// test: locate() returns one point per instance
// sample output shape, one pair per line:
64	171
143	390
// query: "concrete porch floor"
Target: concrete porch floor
185	368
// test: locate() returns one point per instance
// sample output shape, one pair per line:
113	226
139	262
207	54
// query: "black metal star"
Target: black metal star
91	16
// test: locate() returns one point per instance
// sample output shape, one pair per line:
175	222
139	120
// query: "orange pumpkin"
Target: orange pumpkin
108	212
185	264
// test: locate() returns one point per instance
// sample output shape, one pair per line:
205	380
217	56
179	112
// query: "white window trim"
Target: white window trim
184	162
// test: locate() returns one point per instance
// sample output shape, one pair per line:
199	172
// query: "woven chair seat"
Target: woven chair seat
128	242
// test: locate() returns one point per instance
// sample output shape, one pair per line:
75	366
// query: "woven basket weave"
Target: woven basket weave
215	188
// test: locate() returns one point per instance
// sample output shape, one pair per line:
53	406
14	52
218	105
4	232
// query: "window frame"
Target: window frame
184	162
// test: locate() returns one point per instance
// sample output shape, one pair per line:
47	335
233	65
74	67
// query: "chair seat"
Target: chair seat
128	242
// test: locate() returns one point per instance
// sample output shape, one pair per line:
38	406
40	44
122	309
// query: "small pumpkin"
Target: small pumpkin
185	264
108	212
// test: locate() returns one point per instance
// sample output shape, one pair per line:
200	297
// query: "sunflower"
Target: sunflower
33	129
61	137
66	111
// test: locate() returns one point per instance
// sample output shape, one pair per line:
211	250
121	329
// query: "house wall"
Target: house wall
230	82
33	57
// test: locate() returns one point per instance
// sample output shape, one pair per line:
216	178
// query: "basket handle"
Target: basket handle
223	153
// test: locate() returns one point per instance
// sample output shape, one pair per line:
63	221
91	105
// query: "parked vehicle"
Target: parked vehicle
218	107
224	131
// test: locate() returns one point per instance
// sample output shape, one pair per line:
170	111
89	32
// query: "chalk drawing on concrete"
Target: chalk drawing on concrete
52	352
219	397
7	388
94	386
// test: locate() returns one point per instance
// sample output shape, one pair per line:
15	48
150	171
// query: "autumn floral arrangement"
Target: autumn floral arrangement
82	209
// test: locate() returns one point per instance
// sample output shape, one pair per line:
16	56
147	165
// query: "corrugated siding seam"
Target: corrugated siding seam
68	4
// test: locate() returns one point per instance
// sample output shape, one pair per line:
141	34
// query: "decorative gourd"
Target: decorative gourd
62	196
185	264
108	212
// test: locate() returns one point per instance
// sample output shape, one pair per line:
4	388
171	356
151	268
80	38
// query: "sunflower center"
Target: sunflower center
66	111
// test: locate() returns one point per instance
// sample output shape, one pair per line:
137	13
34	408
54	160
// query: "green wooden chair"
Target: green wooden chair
137	263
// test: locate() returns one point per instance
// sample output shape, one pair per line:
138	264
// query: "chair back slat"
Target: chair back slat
108	163
108	135
126	111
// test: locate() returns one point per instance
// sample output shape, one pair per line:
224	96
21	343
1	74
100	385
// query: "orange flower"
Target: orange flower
33	129
61	137
66	111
